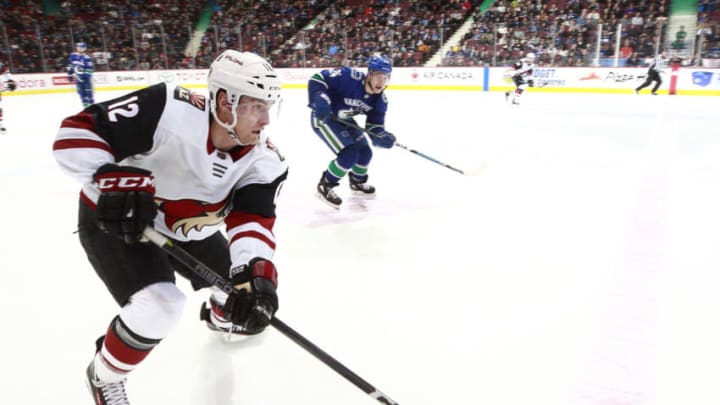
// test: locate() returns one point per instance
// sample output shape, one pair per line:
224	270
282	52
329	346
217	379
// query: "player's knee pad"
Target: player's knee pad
348	156
365	155
153	311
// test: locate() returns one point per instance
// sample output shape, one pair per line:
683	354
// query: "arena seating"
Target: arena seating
138	35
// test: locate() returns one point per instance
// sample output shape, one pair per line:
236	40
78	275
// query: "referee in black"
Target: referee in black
653	74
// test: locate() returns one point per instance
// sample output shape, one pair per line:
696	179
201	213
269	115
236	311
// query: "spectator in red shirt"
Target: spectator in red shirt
626	50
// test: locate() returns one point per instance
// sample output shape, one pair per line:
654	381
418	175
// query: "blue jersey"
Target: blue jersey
346	89
80	67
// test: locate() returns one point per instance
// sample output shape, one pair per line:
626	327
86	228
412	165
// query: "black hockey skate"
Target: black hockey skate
507	95
105	393
362	189
325	193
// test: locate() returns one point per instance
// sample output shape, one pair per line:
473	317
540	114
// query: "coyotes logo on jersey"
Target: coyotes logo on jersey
187	214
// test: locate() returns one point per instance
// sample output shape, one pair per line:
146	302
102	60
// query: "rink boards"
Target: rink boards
681	81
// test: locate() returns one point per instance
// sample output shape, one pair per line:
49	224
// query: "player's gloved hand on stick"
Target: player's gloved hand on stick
126	204
254	302
11	85
321	105
382	138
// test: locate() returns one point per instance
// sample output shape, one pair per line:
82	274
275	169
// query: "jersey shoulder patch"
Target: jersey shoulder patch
190	97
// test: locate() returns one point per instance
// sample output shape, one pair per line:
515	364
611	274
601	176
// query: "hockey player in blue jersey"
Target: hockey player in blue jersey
343	93
80	71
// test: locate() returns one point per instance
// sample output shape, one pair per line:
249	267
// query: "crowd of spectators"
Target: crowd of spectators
138	35
121	35
560	33
567	32
349	32
259	27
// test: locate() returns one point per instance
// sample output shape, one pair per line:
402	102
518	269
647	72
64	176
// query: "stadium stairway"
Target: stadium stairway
193	45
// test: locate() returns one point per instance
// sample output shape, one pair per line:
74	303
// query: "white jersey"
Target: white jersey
199	189
658	64
5	76
523	69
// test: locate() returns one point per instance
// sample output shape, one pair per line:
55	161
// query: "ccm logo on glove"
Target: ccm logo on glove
121	181
126	204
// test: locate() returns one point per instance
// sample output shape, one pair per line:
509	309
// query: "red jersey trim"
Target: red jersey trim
253	234
81	143
235	153
237	218
87	201
82	120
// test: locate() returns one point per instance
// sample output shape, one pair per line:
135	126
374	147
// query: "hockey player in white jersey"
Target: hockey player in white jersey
165	157
522	71
6	83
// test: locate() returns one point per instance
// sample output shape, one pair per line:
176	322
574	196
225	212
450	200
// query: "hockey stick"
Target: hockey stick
215	279
399	145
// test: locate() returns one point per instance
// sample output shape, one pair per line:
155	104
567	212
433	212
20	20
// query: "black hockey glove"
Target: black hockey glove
382	138
11	85
320	103
126	204
254	302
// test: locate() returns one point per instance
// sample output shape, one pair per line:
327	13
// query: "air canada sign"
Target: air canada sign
442	75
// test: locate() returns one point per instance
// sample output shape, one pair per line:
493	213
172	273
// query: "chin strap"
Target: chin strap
235	138
230	131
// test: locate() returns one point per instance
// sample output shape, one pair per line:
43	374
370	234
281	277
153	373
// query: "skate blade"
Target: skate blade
321	198
360	194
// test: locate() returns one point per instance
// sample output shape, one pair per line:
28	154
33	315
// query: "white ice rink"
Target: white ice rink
581	267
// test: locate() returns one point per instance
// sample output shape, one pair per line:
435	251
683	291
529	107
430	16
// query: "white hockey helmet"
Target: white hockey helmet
241	74
530	56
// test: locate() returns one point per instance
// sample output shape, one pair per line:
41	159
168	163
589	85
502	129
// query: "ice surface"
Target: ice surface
580	267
